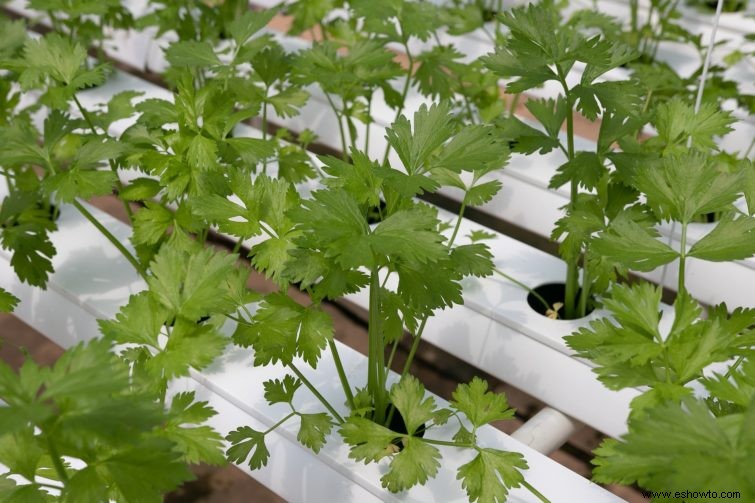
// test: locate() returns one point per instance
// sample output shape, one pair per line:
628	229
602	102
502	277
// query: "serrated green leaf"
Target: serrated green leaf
491	474
480	405
731	239
8	301
407	396
415	464
191	285
281	391
482	193
432	127
472	260
243	440
633	245
368	441
313	430
192	54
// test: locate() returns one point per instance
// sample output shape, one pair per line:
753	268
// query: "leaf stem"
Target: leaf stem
572	267
56	459
342	374
289	416
376	373
534	491
113	167
682	259
127	254
404	93
314	391
522	285
458	224
341	132
264	126
449	443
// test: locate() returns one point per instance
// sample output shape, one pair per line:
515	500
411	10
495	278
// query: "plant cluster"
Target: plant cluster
183	174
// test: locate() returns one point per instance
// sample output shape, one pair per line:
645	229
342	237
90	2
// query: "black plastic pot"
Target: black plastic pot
552	293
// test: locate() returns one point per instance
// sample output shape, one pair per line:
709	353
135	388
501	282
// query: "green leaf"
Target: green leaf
251	22
145	471
633	245
474	148
550	113
682	448
8	301
491	474
25	228
69	185
313	430
281	391
192	54
683	186
586	168
55	55
202	153
432	127
369	441
482	193
480	405
191	285
189	346
472	260
407	396
676	121
288	102
151	223
138	322
282	329
731	239
140	189
243	440
332	221
410	235
415	464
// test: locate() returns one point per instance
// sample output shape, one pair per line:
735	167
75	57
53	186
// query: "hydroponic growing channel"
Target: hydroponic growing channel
200	198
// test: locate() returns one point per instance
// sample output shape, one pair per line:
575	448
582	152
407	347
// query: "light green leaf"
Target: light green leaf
731	239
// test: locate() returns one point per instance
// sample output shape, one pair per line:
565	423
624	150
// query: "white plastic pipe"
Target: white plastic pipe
547	430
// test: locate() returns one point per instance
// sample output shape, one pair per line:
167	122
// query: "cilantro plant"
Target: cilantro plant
632	350
85	21
326	247
81	430
540	48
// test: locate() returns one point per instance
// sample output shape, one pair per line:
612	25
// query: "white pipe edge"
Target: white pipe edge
547	430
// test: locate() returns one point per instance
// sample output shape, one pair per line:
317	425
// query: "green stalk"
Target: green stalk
404	92
56	460
522	285
289	416
127	254
113	167
534	491
314	391
369	121
585	293
264	127
341	133
572	267
342	374
376	357
682	259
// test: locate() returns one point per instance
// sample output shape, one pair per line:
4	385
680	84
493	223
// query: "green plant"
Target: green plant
538	49
85	21
631	350
82	431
